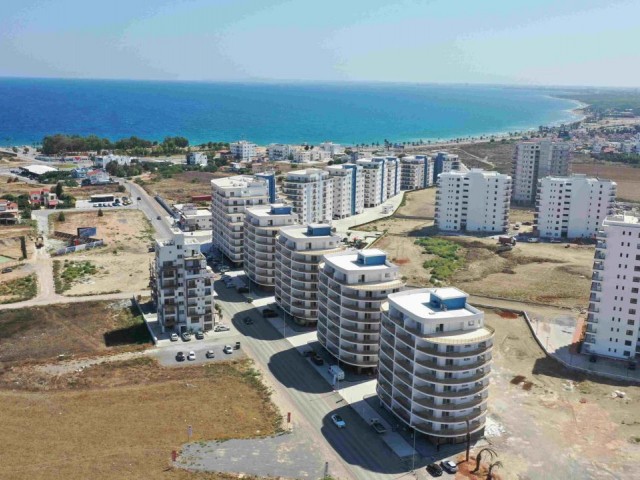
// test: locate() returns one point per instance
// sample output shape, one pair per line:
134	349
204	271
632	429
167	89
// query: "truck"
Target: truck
336	372
506	240
378	426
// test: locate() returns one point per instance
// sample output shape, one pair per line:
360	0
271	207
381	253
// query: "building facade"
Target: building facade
573	207
534	160
191	218
182	285
261	226
473	201
613	318
230	197
197	158
280	151
381	179
243	150
445	162
416	172
435	363
310	192
299	250
348	189
352	287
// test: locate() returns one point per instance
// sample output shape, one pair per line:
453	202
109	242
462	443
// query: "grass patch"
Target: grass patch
446	261
19	290
70	272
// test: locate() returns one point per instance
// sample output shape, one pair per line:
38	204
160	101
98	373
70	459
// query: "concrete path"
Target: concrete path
369	215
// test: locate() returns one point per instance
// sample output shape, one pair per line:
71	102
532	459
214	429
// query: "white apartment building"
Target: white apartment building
348	189
309	156
416	172
230	197
445	162
243	150
197	158
280	151
310	192
331	148
261	226
435	363
534	160
191	218
381	179
182	285
613	318
352	287
299	250
474	201
573	207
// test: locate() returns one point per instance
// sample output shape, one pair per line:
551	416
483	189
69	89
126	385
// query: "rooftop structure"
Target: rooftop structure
435	357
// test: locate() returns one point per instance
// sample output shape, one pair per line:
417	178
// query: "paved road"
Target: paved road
150	207
355	452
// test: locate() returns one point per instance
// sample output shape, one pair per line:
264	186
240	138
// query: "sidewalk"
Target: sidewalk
369	215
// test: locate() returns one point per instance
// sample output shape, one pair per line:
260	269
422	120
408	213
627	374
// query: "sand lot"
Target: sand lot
123	264
627	178
182	186
555	423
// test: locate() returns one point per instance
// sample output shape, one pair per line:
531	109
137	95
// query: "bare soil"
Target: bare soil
39	334
627	178
181	187
497	153
123	419
123	264
555	420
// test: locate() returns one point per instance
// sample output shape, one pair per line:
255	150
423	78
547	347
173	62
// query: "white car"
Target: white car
228	349
338	421
210	354
192	355
174	337
221	328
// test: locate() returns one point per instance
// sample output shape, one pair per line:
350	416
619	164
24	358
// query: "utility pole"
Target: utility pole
468	440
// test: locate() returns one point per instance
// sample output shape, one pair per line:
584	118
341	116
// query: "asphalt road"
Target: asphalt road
354	452
152	209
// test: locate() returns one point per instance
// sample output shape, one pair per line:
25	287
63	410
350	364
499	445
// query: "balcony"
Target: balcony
596	287
431	417
433	365
431	390
429	402
433	350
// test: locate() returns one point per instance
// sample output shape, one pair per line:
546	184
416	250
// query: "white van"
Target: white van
336	372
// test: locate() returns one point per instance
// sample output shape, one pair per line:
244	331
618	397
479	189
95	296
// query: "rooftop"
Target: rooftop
38	169
364	260
237	181
433	303
307	231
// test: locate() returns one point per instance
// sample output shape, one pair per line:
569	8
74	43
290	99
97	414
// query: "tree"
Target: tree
59	190
493	465
26	214
490	452
122	188
100	213
61	217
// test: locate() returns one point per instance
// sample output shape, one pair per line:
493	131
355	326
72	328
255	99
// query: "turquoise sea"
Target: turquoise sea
346	113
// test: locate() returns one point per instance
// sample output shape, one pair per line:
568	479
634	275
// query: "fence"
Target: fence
77	248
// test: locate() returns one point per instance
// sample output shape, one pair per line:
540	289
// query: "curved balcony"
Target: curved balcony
454	368
359	341
429	402
430	417
431	378
431	391
427	429
455	354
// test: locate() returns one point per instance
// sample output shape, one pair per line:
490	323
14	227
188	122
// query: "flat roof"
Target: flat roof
301	231
348	260
418	304
237	181
39	169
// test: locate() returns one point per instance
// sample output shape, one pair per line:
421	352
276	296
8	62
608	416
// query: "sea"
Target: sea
346	113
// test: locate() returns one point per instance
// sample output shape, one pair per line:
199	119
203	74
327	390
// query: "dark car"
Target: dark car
434	469
317	359
248	320
180	357
243	290
268	313
199	336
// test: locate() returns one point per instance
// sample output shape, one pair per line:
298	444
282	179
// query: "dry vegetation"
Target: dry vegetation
42	333
627	178
556	420
182	186
125	258
498	153
123	419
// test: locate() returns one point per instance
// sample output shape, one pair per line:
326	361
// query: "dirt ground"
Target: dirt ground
123	419
125	258
42	333
181	187
545	418
627	178
498	153
18	188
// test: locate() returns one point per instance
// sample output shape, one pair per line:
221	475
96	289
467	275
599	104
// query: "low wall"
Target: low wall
77	248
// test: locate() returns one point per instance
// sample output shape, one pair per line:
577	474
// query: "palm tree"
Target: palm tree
490	451
493	465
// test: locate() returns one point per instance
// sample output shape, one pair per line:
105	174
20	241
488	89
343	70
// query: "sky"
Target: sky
542	42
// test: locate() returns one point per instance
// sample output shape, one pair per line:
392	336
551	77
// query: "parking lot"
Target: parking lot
167	354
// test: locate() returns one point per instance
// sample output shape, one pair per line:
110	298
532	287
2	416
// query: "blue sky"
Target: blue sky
545	42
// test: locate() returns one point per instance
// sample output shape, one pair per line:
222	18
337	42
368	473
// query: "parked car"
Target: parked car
555	240
224	268
199	335
434	469
221	328
210	354
192	355
449	466
7	270
180	357
186	336
158	217
247	320
174	337
139	198
317	359
237	346
268	313
228	349
338	421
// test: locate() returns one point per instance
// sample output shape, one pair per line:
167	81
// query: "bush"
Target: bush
100	213
61	217
447	260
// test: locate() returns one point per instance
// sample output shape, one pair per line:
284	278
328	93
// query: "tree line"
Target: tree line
60	144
